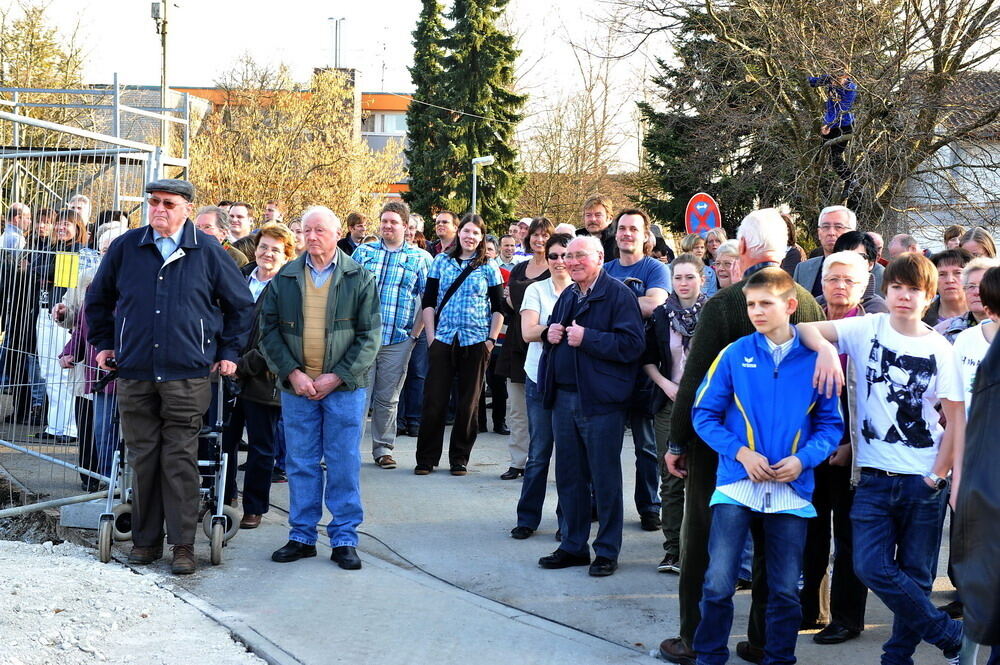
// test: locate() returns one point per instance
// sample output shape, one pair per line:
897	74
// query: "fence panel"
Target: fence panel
66	190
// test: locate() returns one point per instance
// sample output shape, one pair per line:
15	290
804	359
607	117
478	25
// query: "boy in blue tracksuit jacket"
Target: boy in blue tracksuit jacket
758	409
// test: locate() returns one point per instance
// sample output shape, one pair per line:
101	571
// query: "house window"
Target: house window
385	123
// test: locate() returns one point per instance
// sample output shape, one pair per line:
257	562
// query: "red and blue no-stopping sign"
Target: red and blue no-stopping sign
702	214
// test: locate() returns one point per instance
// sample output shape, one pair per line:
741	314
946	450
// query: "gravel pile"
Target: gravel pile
60	605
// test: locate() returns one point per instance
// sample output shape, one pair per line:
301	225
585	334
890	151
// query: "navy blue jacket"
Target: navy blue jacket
608	360
168	320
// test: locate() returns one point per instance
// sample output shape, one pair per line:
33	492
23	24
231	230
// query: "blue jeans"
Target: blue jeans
411	399
35	381
588	453
316	430
536	471
897	523
105	430
647	471
785	539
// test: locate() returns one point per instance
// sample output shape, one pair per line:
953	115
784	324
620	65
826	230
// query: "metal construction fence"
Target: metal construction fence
59	423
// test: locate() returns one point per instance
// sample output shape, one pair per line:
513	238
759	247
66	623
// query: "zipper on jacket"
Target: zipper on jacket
121	335
201	322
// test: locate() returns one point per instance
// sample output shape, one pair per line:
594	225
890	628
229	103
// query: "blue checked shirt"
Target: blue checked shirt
467	314
402	277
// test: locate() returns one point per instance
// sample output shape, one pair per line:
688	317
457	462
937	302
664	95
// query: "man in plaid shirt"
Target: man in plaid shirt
401	271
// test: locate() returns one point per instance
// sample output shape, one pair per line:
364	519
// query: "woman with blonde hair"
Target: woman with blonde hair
695	244
713	239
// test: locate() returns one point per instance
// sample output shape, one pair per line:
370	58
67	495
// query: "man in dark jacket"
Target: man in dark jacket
167	307
587	372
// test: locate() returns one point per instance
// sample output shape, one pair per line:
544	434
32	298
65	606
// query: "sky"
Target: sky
206	37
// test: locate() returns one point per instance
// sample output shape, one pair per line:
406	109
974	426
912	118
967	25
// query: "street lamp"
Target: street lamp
336	39
485	160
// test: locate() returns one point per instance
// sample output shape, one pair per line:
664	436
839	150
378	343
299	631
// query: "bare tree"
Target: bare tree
924	120
274	139
570	149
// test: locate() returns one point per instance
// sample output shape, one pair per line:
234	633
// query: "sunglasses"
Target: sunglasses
556	257
168	205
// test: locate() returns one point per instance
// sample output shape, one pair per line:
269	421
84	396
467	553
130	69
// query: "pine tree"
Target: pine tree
425	124
479	82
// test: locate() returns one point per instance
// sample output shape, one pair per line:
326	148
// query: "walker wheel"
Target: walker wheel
105	534
218	540
122	524
231	527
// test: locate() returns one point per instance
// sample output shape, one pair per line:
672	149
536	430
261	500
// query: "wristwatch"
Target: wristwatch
491	339
939	482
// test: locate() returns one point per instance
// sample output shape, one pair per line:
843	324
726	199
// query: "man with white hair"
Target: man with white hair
214	221
902	243
589	364
845	280
834	221
762	239
320	332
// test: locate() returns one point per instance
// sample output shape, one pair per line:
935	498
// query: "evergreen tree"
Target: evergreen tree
426	124
686	149
479	81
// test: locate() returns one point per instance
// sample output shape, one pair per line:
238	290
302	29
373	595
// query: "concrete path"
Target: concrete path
444	583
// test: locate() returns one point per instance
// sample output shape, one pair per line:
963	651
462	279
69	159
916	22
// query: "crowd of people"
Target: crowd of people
778	404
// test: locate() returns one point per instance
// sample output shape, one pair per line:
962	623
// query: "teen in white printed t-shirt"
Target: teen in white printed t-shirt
903	371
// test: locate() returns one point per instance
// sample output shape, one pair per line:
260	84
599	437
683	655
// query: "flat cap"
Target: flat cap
173	186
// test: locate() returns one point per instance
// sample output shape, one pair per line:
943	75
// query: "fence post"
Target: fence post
116	127
16	140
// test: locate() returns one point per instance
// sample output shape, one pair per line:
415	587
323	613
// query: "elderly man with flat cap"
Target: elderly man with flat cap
167	307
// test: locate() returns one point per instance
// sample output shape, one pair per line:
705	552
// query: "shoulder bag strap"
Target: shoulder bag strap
451	290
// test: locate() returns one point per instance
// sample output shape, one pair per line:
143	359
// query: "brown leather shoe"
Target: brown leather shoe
675	651
183	563
250	521
145	555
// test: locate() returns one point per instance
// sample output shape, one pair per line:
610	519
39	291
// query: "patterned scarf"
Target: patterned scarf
683	319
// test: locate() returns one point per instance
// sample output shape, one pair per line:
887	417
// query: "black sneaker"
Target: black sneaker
278	476
670	564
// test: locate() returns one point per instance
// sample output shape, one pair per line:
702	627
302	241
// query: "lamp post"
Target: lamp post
485	160
336	39
159	13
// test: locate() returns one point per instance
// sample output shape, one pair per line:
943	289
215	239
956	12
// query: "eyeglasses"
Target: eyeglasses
849	283
168	205
832	227
971	287
556	257
577	256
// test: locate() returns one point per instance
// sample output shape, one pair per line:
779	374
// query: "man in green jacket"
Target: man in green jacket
762	240
320	332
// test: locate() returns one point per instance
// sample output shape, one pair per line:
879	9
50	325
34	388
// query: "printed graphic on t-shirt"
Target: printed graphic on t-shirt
900	381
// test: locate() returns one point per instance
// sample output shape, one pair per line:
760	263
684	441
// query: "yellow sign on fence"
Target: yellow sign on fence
67	270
